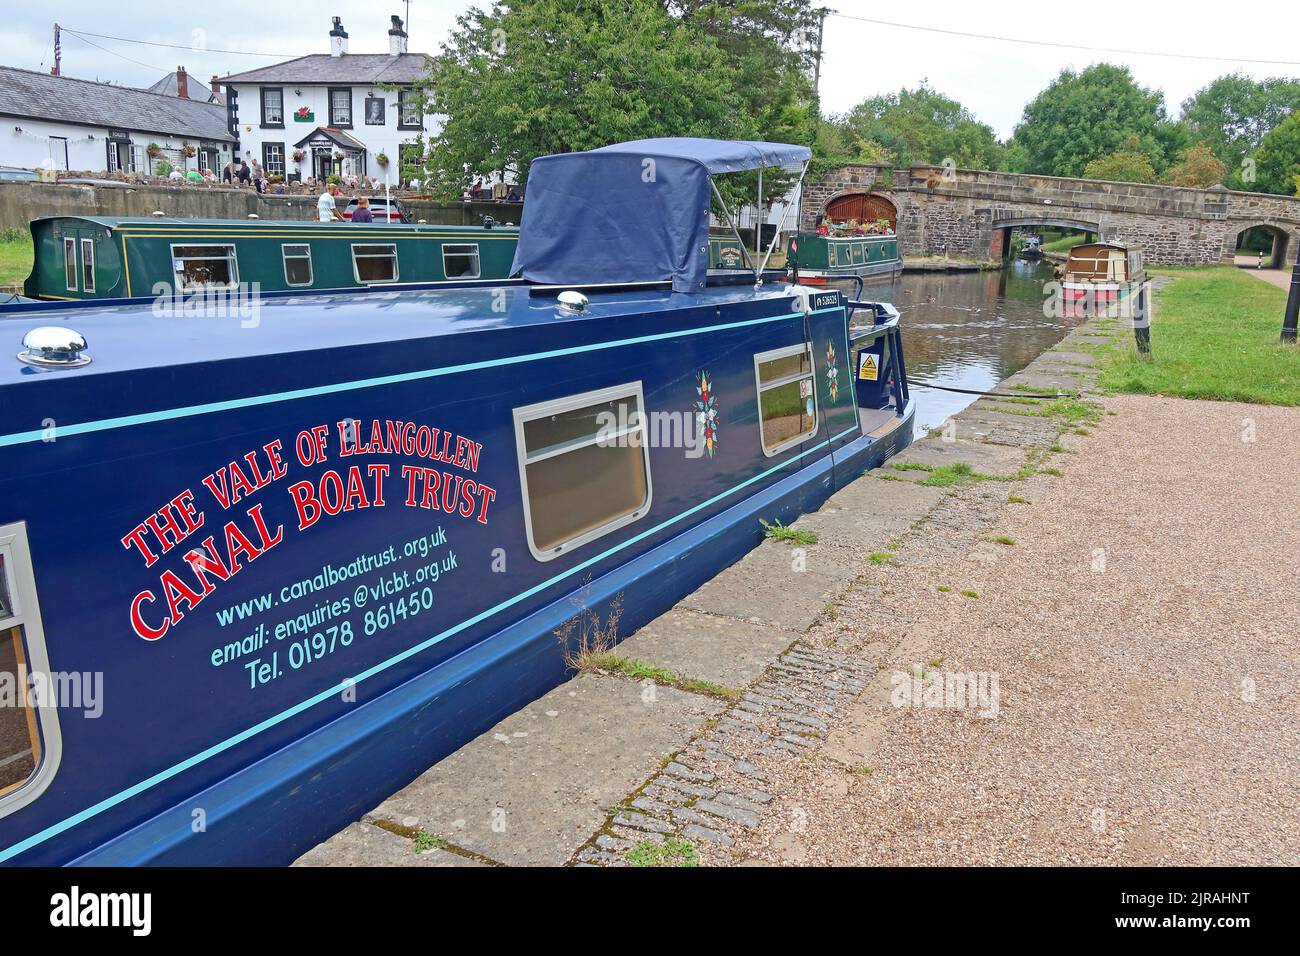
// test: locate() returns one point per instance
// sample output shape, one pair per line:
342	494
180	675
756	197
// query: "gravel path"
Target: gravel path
1143	628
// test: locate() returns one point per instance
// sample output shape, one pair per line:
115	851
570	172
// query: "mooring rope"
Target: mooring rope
972	391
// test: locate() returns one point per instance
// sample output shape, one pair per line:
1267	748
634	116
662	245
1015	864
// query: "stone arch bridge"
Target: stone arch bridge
970	212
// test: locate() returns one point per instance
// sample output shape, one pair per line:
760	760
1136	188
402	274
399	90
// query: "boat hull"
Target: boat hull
216	743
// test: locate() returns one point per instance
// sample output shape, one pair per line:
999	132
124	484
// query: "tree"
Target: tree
1199	167
922	126
528	78
1128	164
1233	115
1081	117
1278	160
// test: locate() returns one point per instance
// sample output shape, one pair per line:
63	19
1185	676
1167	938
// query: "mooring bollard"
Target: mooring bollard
1292	303
1142	321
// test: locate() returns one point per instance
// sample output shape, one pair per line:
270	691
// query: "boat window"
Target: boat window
29	734
197	267
375	263
297	264
460	261
787	397
88	264
70	263
584	464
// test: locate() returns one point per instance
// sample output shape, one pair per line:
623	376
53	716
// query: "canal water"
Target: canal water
969	330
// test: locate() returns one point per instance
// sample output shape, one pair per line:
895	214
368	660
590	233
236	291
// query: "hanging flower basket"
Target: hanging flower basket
381	159
153	150
188	149
299	155
338	155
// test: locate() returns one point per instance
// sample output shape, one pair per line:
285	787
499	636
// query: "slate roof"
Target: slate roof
63	99
348	69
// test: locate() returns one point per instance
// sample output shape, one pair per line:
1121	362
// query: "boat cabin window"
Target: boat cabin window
198	267
88	264
70	263
787	397
375	263
297	264
584	464
29	737
460	261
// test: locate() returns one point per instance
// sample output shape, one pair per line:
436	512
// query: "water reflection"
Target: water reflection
970	330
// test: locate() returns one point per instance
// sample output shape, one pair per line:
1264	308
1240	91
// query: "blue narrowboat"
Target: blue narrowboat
255	577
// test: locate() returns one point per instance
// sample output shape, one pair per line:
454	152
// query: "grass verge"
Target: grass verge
1214	335
15	257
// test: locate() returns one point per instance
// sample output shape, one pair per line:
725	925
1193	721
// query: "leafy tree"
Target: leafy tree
1199	167
1233	115
1081	117
1278	159
532	77
922	126
1128	164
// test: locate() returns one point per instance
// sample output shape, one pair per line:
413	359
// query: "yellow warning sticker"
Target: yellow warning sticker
868	370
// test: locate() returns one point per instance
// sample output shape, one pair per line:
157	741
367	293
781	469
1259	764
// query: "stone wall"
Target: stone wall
958	211
20	202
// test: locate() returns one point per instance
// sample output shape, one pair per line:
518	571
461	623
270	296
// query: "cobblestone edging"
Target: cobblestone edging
716	781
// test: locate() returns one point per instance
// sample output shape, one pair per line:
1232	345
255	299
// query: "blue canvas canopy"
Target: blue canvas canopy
631	212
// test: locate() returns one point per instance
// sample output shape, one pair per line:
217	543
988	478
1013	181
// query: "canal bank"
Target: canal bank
672	745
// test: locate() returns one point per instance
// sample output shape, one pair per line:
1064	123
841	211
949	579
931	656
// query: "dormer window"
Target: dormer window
272	107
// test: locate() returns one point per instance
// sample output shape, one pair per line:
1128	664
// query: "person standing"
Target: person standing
326	209
362	212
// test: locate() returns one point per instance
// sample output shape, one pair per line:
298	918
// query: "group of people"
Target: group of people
477	193
327	207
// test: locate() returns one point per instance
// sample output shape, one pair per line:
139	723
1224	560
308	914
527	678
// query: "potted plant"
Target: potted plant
188	149
299	155
381	158
153	150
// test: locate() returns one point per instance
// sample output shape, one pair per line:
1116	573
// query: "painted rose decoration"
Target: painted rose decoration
706	411
832	372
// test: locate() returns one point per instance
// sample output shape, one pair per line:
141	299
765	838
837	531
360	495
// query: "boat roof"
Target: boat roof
117	222
130	336
1096	247
716	155
632	212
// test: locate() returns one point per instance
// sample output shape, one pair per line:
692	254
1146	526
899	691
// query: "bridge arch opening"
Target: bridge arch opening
1262	246
864	208
1054	235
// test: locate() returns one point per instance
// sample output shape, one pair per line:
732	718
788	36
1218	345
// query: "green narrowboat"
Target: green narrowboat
816	259
99	257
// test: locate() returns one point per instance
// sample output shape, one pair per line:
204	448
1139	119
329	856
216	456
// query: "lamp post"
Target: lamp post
1292	302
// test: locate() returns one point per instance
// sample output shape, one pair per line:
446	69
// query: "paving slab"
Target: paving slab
778	583
877	496
1046	382
531	790
858	531
1063	357
724	650
364	844
1000	460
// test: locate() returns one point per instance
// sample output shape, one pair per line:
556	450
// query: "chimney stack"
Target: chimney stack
338	38
182	83
396	38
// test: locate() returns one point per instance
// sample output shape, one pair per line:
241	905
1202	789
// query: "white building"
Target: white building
58	122
338	113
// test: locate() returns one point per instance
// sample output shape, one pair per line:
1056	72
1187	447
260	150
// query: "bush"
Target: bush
163	168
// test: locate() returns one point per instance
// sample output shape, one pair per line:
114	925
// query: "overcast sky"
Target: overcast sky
993	79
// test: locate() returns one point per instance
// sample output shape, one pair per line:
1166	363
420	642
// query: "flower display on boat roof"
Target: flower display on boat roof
706	411
832	373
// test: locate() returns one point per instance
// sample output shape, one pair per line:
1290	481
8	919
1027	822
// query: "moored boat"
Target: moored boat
108	258
310	557
816	259
1101	273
